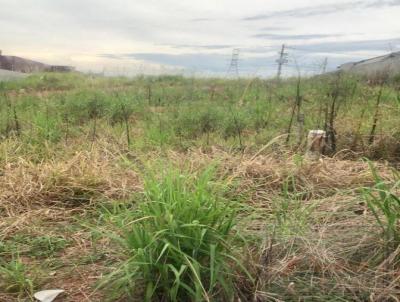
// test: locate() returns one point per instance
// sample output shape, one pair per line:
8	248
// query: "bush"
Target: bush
120	111
180	243
194	122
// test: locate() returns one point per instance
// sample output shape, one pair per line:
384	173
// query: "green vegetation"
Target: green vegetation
384	201
175	189
56	109
14	278
180	243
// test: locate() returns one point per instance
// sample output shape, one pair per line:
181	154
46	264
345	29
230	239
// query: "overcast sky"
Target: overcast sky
198	36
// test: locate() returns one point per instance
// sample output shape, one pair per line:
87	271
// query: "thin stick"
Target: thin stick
376	117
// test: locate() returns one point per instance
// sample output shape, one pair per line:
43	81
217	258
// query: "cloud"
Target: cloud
310	11
293	37
275	28
348	46
215	63
198	61
219	64
382	3
110	56
211	47
202	19
195	34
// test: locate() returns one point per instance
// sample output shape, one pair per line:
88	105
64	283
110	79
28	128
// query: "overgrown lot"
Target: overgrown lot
177	189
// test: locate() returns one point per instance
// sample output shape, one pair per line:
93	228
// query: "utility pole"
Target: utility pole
281	61
234	66
324	65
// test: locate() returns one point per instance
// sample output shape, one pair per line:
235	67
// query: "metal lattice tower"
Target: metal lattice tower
234	66
324	65
281	61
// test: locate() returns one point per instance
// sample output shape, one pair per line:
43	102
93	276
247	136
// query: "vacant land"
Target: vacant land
176	189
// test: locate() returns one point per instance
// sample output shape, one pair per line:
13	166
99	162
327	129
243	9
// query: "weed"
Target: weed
40	246
14	277
46	246
384	203
181	242
180	235
290	213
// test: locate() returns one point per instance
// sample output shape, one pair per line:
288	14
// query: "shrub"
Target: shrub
120	111
194	122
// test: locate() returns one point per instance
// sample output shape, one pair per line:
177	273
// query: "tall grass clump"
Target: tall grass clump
291	214
180	244
384	202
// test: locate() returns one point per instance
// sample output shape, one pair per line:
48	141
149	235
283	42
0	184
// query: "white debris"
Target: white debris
47	295
315	143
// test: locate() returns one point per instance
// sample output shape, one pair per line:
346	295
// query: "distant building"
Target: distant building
19	64
61	68
387	64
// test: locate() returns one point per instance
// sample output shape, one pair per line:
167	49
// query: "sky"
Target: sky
198	37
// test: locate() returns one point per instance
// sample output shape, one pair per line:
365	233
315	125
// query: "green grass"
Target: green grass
180	242
384	202
15	277
290	214
184	113
38	246
266	224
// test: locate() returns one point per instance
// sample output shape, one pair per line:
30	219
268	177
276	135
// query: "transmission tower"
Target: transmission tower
234	66
324	65
281	61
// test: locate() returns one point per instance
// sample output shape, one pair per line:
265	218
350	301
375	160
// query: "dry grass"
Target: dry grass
76	181
337	253
335	260
269	171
